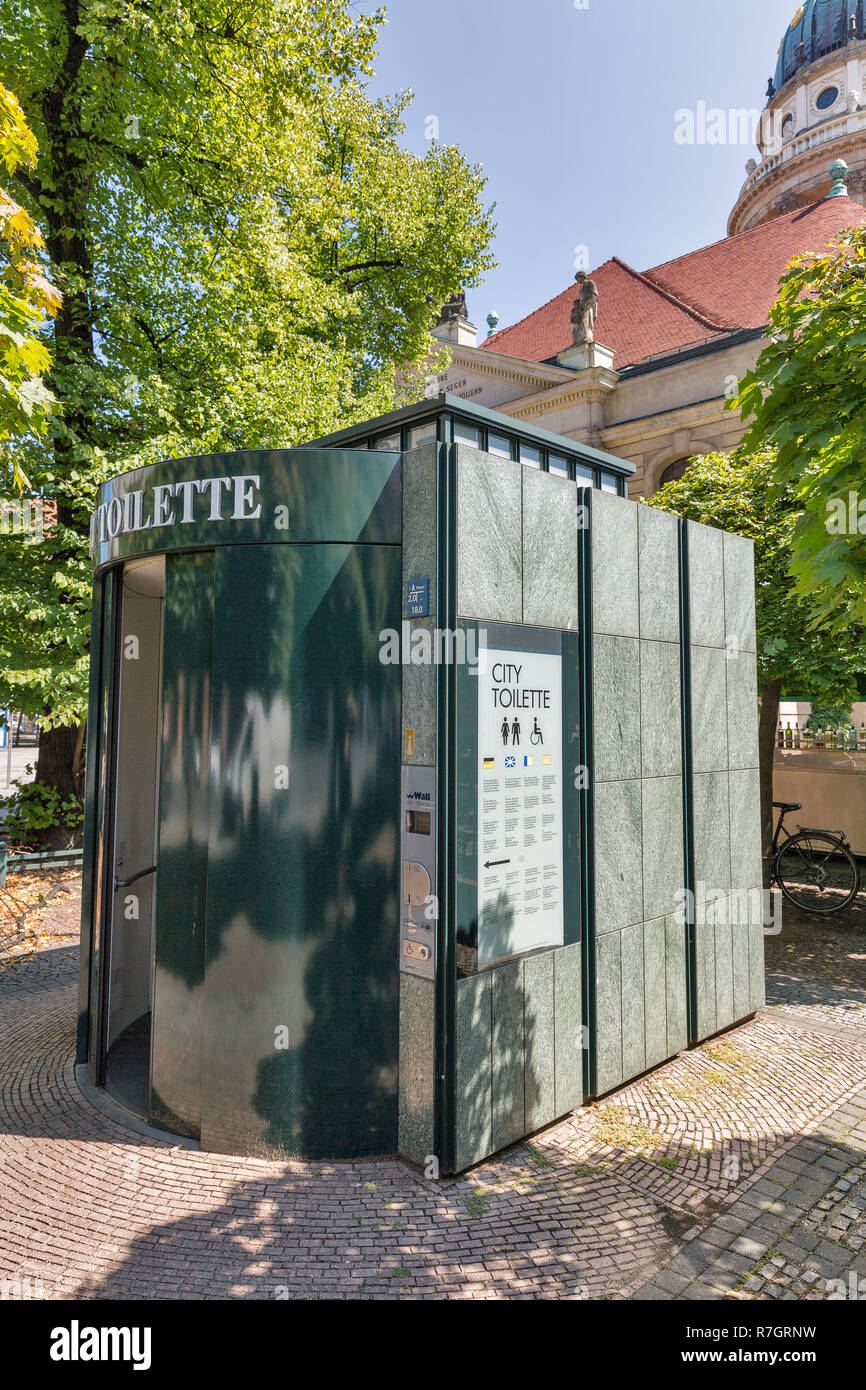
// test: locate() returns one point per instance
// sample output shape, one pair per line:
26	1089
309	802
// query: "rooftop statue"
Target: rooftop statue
585	310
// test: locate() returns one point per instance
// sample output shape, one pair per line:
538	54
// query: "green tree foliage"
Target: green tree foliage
26	295
806	400
247	256
736	492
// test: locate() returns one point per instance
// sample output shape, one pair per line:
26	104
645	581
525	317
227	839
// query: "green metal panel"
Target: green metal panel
250	497
176	1063
301	989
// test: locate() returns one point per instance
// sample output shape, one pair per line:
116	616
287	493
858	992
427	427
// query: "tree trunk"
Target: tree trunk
59	754
770	698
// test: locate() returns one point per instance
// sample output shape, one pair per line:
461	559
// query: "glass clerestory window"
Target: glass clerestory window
422	434
499	444
467	434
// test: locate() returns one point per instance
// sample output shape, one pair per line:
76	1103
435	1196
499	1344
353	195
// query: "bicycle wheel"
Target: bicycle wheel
817	874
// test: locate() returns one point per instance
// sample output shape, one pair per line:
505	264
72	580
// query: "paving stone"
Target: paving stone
94	1210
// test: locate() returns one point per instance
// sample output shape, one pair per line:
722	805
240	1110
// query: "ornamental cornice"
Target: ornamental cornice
649	426
593	392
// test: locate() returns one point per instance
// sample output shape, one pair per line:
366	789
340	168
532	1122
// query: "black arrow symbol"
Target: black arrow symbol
494	863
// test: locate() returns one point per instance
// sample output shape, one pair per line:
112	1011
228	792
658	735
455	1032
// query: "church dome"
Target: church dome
818	27
815	115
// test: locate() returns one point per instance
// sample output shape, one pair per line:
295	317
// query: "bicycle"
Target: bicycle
814	862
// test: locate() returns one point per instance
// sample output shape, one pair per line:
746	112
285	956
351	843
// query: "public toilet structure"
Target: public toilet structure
423	796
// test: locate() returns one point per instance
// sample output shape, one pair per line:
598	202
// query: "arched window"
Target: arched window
674	471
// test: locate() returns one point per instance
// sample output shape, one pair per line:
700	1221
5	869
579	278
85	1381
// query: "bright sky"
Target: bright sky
569	105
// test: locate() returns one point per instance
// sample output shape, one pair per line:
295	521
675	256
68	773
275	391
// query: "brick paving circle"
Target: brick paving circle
598	1206
93	1210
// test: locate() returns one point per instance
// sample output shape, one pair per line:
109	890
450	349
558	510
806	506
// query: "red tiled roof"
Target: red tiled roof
708	293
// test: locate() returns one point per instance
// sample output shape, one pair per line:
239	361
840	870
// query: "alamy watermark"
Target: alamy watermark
847	517
708	906
23	516
423	646
715	125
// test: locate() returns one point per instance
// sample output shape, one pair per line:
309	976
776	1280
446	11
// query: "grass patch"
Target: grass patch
477	1201
539	1158
728	1054
615	1129
585	1170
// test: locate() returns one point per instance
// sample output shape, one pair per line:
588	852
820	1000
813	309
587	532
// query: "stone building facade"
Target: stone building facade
672	342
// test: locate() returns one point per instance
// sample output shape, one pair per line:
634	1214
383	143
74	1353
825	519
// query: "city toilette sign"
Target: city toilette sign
183	503
519	852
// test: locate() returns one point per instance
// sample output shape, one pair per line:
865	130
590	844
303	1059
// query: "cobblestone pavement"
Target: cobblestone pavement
817	970
721	1175
799	1231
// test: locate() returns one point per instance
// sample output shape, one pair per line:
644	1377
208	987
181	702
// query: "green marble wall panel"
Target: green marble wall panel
508	1055
519	1051
705	979
618	856
617	700
706	586
724	954
662	835
709	710
608	965
417	1078
742	703
739	559
569	1041
613	530
655	995
741	950
744	778
638	795
745	803
658	548
474	1071
539	1090
420	502
633	1017
726	792
757	977
712	857
489	536
675	986
710	812
660	708
747	879
549	551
